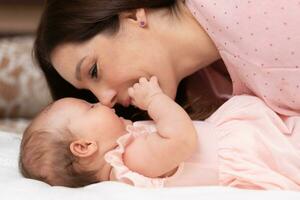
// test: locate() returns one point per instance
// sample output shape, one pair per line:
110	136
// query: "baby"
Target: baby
243	144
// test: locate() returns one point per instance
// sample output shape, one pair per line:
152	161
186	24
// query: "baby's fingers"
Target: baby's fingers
154	79
136	85
131	92
143	80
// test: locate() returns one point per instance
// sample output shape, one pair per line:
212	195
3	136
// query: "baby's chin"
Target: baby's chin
126	122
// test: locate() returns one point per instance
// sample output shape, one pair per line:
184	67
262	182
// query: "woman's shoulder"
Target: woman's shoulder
259	26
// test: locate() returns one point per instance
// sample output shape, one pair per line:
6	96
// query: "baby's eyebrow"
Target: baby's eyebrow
78	69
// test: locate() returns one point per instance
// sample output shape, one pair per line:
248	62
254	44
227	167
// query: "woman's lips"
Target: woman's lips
126	103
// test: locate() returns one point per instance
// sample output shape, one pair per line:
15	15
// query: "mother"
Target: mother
105	46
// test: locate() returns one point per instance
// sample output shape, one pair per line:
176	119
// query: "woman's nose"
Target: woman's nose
107	97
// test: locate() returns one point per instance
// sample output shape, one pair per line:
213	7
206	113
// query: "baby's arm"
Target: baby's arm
156	154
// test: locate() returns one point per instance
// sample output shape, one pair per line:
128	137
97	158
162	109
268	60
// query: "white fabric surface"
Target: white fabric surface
14	186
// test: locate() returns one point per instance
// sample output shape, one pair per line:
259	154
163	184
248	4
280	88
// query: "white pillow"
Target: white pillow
14	186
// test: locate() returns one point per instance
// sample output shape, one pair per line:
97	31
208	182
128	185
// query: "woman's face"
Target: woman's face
109	65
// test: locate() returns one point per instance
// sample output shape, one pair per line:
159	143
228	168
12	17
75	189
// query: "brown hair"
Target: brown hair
78	21
45	156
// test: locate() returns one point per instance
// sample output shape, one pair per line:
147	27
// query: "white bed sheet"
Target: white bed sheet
14	186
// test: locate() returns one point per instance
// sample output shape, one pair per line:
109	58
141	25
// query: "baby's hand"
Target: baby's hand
143	92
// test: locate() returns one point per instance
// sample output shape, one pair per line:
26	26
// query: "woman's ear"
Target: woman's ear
137	16
83	148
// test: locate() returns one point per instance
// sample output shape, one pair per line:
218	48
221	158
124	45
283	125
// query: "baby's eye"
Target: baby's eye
94	71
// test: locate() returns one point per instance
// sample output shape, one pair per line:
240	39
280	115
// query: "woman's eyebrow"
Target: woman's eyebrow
78	68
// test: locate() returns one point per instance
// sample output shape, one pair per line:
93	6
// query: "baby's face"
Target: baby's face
94	122
95	129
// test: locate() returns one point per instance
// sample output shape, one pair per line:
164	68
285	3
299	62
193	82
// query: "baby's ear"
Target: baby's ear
83	148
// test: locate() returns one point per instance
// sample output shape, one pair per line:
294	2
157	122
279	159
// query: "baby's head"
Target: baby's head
65	143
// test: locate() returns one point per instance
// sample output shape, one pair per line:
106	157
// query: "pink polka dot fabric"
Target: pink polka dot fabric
259	42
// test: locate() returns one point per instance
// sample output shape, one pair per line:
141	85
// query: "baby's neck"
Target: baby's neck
106	172
97	164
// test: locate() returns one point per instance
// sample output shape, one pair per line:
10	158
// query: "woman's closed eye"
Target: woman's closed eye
93	72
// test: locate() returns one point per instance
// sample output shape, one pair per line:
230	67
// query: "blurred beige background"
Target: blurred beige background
19	16
23	88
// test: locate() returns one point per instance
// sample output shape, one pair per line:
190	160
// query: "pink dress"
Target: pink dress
243	144
259	42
